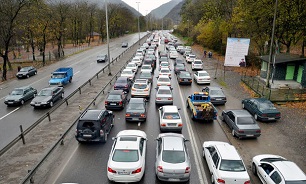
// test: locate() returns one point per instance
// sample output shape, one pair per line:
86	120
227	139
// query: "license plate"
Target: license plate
218	98
10	102
135	118
171	124
87	136
271	118
173	179
37	104
185	79
124	173
112	103
250	135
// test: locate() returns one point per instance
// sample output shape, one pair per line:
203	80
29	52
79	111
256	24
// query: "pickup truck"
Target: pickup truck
201	107
61	76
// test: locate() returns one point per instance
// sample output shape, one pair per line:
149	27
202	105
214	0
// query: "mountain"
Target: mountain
164	9
174	14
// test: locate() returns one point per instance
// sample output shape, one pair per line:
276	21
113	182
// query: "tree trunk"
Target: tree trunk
303	47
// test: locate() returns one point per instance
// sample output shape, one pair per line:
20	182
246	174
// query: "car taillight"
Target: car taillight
142	115
101	132
163	124
277	115
133	89
137	171
170	98
76	131
187	170
126	86
168	84
220	181
127	115
240	131
158	84
106	102
247	182
264	115
160	169
111	170
120	103
208	78
258	131
158	98
180	124
147	89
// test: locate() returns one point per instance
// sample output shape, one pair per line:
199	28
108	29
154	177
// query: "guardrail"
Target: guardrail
31	173
47	114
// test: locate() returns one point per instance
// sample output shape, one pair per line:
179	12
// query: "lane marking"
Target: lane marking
195	148
76	72
9	113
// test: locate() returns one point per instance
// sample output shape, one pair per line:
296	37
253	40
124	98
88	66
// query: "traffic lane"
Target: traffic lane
151	127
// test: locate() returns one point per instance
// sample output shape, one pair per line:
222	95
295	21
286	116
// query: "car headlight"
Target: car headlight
44	102
32	103
17	100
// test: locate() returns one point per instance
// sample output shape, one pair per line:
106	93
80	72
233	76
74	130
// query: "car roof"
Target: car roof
119	92
127	69
170	108
23	87
260	99
163	76
173	143
50	88
136	100
289	170
91	114
122	77
227	151
241	113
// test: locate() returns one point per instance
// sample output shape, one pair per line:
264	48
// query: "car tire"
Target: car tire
27	75
212	179
51	104
233	133
256	116
22	102
62	95
70	79
35	73
254	170
243	106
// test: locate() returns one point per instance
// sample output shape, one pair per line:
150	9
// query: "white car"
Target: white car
141	90
173	54
127	158
201	77
128	73
132	66
139	55
142	81
164	64
146	68
197	64
190	58
163	80
170	118
165	71
272	169
224	163
137	61
186	53
164	95
151	51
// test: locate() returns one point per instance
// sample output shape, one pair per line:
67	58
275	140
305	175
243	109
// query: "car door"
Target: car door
27	94
195	75
106	121
252	107
228	118
275	178
160	111
209	151
158	152
264	170
56	93
142	149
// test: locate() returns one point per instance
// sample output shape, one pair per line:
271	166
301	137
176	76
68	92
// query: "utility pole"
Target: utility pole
271	47
138	25
107	35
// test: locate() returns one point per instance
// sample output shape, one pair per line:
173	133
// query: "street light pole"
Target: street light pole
107	35
271	47
138	24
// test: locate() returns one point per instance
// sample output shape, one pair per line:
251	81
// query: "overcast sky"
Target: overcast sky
145	6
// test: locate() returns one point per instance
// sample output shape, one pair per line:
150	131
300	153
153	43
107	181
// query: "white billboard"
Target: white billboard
236	50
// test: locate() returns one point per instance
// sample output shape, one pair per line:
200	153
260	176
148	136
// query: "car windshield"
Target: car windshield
125	155
197	62
232	165
185	74
180	66
164	64
136	106
203	74
101	57
171	115
121	81
163	79
146	67
114	97
192	56
24	69
147	75
174	157
164	71
140	86
266	106
45	92
245	120
164	91
17	92
216	92
127	72
136	59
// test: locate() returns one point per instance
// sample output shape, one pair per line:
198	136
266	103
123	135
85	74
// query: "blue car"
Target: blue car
261	108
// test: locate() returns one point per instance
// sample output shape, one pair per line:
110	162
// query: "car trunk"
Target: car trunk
231	177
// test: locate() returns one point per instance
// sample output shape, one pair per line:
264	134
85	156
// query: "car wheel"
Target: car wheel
193	118
70	80
35	73
105	138
254	170
233	133
51	104
62	95
28	76
22	102
256	116
243	105
212	179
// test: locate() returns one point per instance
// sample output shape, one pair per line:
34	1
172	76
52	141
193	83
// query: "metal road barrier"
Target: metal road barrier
29	176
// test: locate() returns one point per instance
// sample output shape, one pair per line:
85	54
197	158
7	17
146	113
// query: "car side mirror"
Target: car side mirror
171	88
178	108
186	140
113	138
160	108
110	112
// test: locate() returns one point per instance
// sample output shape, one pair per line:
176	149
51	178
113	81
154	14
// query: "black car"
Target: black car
102	58
47	96
123	83
26	72
20	95
146	75
216	95
136	110
148	61
184	77
179	67
94	126
124	44
179	61
115	100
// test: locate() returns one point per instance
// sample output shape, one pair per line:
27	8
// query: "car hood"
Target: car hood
42	98
13	97
21	73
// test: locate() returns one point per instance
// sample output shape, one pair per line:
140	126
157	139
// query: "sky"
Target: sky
145	6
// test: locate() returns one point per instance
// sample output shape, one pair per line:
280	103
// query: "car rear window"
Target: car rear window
125	155
136	106
114	97
163	79
197	62
164	91
88	124
232	165
216	92
140	86
203	74
184	74
173	157
245	120
172	115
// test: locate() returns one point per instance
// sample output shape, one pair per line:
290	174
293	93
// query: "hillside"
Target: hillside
164	9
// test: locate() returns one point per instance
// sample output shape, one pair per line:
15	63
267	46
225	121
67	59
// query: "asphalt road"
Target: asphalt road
84	67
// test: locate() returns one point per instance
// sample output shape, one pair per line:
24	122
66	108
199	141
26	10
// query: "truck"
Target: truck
201	107
61	76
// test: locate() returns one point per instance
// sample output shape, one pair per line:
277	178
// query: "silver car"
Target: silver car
172	159
241	123
164	95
